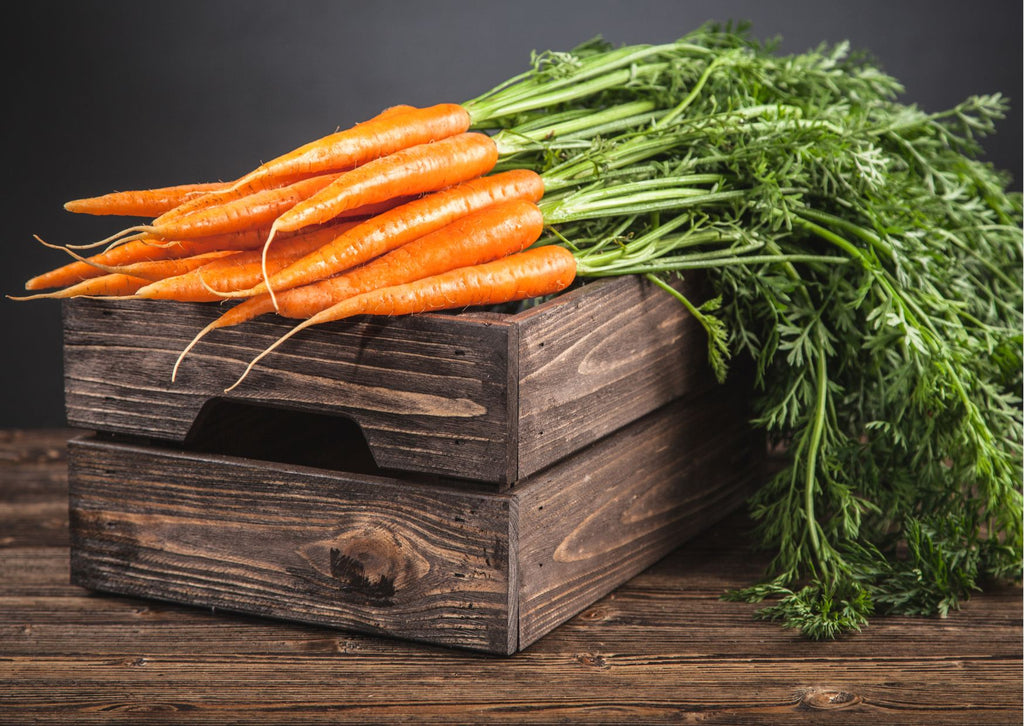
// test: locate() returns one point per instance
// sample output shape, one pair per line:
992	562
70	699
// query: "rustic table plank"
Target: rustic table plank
661	649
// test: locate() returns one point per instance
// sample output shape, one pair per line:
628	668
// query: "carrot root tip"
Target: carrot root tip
263	264
132	232
36	296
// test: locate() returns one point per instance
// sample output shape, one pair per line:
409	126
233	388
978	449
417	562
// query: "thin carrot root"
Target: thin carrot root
69	248
52	295
263	263
117	236
192	344
52	246
80	258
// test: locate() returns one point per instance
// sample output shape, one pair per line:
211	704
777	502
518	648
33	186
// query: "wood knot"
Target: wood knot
374	578
592	660
826	699
373	563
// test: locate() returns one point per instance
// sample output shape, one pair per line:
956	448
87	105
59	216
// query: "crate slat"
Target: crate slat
485	397
483	570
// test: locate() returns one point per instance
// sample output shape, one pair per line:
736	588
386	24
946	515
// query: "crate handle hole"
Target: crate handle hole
283	435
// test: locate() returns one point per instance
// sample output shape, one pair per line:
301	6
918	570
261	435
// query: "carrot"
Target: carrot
423	168
142	202
240	270
253	210
220	197
394	175
287	169
110	285
147	248
154	248
395	128
403	224
392	129
153	270
482	236
259	208
539	271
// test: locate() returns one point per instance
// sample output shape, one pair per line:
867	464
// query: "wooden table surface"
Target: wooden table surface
662	648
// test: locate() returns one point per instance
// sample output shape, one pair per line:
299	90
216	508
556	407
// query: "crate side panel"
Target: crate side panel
600	360
592	522
430	393
361	554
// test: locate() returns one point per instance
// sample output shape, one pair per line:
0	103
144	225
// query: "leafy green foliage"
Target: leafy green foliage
858	253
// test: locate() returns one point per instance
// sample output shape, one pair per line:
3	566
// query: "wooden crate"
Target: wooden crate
438	561
487	397
471	480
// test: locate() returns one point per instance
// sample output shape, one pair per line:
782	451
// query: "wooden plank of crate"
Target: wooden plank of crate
630	349
588	524
431	393
365	554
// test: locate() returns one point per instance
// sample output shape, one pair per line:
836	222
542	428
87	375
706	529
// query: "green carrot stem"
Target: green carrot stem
585	126
563	93
671	265
532	90
636	204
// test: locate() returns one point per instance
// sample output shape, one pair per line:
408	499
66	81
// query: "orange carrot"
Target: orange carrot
409	171
179	199
216	198
482	236
110	285
403	224
254	210
535	272
488	234
147	248
143	202
395	128
153	270
154	248
392	129
414	170
240	270
176	220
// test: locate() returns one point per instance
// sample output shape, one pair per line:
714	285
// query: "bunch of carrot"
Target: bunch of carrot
415	209
395	215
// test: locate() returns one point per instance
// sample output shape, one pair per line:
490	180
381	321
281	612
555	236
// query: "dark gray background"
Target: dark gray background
117	95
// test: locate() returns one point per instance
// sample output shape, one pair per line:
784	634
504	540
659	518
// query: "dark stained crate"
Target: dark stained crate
482	396
415	557
469	479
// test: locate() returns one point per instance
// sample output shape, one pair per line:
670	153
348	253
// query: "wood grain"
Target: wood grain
398	556
633	498
361	553
429	388
662	648
600	361
482	396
